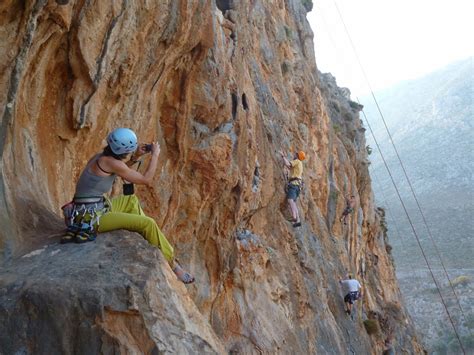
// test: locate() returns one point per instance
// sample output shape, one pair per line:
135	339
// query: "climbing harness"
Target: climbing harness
82	216
295	179
299	183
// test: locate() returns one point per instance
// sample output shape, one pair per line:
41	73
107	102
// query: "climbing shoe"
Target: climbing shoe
85	234
70	234
297	224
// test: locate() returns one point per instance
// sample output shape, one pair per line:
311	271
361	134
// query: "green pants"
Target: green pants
126	213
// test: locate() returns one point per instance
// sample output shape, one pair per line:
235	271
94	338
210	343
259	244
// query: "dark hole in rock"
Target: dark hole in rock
244	102
236	189
224	5
267	264
32	160
270	138
256	179
376	259
256	172
235	102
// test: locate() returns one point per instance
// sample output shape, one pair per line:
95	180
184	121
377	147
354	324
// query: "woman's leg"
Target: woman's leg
142	224
126	213
126	204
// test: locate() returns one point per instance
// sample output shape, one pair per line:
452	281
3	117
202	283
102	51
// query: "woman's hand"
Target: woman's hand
141	150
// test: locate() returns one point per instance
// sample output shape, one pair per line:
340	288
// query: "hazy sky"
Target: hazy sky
396	40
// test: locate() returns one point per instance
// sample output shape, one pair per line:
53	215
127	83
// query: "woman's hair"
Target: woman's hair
109	153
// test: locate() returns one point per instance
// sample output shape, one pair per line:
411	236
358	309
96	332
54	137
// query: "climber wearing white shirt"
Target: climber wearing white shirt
352	291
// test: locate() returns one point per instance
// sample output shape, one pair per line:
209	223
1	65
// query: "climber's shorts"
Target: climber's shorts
351	297
292	192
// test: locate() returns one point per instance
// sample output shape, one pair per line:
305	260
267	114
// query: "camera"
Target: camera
148	147
128	189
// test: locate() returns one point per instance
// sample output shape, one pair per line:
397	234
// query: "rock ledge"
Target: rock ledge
115	295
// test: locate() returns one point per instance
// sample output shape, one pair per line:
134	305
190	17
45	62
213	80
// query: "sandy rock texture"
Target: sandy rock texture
222	86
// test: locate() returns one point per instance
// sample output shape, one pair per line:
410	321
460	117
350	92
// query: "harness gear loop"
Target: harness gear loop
82	217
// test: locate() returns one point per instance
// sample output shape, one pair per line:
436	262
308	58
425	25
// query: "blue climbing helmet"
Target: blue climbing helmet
122	141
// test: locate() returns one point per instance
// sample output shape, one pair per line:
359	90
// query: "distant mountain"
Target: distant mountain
431	120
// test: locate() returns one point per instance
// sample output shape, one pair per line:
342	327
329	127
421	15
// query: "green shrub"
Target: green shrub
337	128
289	32
371	326
285	67
461	281
394	311
368	149
354	105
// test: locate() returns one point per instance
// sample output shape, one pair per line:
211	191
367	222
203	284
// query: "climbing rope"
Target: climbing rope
423	215
406	176
419	207
416	235
397	229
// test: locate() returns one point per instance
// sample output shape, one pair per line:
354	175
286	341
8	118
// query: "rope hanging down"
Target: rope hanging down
397	229
399	159
411	187
414	232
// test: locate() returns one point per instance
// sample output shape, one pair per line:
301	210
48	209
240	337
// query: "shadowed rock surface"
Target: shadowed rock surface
222	86
116	295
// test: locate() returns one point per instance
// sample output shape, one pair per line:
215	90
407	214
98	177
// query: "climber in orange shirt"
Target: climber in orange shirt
294	184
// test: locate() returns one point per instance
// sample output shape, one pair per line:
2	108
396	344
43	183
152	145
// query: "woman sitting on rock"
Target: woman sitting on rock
91	212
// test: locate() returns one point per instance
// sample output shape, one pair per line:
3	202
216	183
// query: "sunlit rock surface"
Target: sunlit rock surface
222	87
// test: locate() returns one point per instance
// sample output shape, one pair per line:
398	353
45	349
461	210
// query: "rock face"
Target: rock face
222	85
116	302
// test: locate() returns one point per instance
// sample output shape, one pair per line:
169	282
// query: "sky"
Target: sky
396	40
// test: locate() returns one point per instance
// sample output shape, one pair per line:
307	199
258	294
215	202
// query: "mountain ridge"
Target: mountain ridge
431	123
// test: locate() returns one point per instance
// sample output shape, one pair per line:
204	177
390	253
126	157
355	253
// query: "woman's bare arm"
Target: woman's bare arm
125	172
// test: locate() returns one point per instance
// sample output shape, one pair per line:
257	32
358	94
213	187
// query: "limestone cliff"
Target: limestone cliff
222	85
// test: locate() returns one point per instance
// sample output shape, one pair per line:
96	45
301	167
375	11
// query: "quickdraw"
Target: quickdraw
82	218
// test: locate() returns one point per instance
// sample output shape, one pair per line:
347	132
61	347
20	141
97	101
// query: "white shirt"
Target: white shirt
350	285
